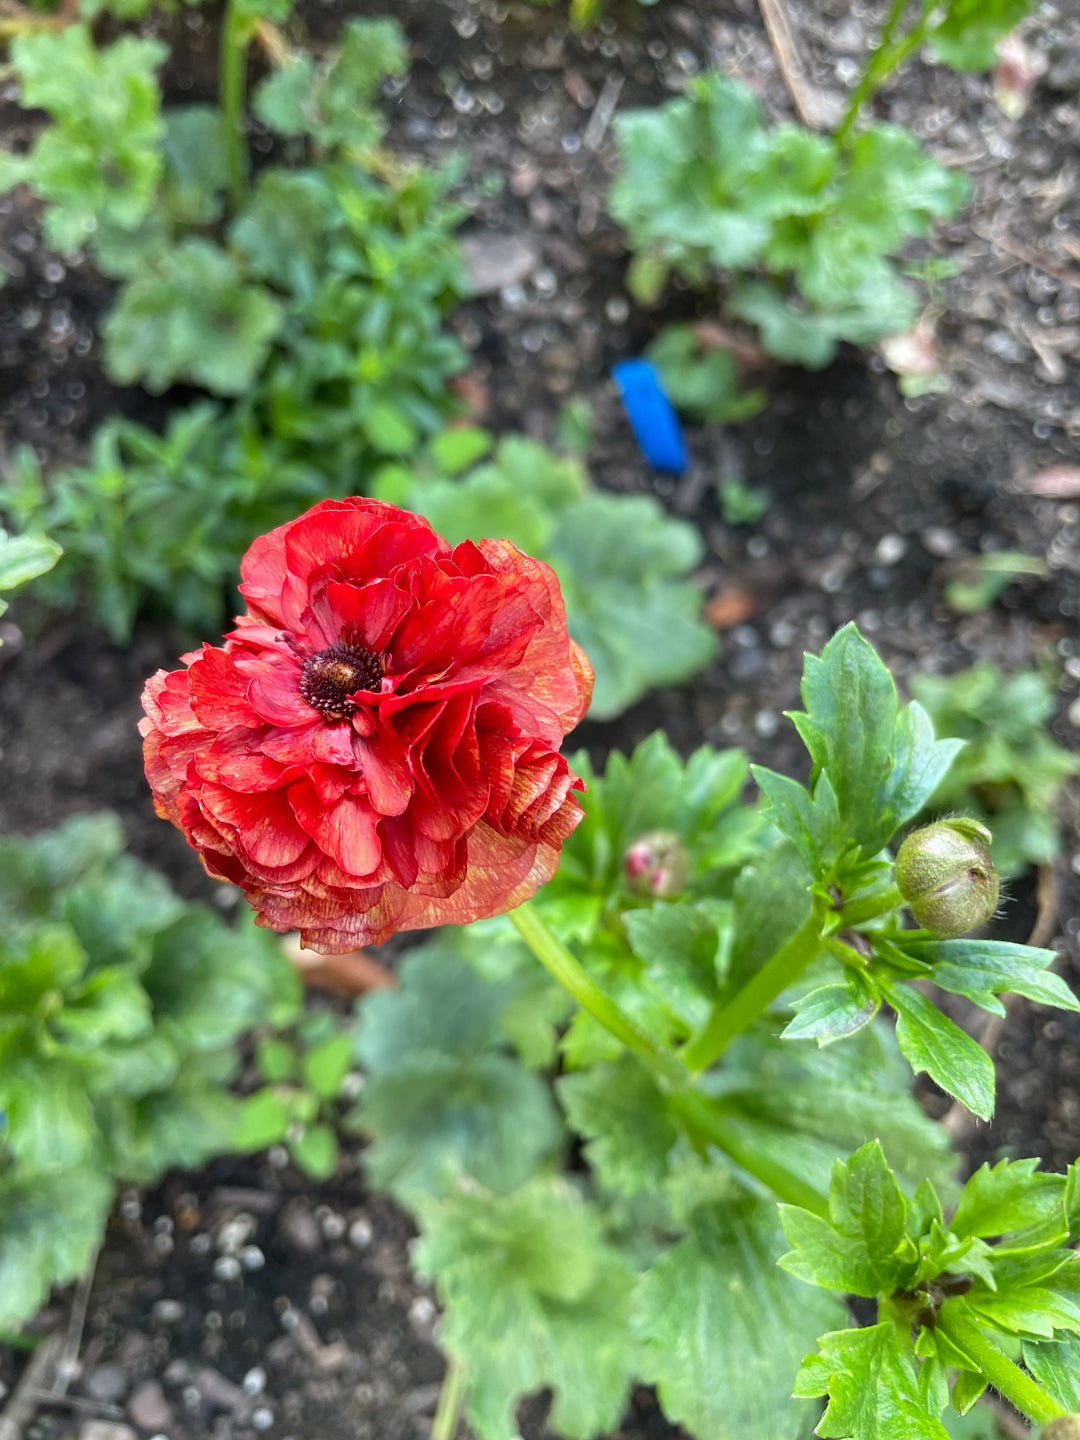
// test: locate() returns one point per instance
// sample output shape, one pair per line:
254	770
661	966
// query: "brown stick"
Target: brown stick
809	104
22	1407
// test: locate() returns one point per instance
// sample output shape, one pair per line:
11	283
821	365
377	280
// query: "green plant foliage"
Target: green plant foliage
621	562
99	163
723	1327
23	558
120	1006
704	384
943	1290
536	1298
331	103
804	227
443	1097
966	35
1010	771
159	522
697	1107
192	317
365	271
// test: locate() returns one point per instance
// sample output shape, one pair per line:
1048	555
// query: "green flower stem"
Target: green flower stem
571	974
742	1010
884	60
699	1117
232	61
451	1399
955	1323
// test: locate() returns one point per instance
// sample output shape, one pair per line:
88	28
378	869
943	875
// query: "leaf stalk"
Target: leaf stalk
232	64
955	1323
571	974
760	991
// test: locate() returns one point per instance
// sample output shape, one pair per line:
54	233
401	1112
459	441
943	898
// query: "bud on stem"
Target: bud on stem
657	865
946	876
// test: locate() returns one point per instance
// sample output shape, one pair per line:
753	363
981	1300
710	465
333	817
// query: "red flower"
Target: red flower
375	747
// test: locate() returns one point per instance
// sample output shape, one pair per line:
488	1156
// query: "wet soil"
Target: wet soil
244	1301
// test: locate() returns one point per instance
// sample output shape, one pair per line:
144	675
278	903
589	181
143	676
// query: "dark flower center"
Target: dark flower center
332	675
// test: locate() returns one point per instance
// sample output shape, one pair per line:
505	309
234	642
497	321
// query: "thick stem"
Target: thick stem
742	1010
451	1398
881	64
232	62
701	1119
955	1323
571	974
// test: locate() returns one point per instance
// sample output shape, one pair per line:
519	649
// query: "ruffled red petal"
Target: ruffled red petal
437	797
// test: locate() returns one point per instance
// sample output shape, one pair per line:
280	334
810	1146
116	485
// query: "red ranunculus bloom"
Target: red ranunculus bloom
376	746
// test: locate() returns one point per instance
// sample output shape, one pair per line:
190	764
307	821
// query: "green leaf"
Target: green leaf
1011	1195
704	384
625	1122
797	336
50	1118
264	1120
98	164
811	822
332	102
325	1066
851	713
389	430
209	981
440	1097
983	969
24	557
1056	1366
678	944
50	1224
316	1152
455	450
833	1012
435	1116
535	1298
196	167
873	1393
622	564
967	35
182	1126
191	317
920	763
932	1043
862	1247
276	1060
723	1328
771	904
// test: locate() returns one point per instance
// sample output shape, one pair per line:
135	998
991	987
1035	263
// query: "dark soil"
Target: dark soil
242	1300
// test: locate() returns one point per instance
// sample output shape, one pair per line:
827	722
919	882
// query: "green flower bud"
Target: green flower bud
657	865
945	874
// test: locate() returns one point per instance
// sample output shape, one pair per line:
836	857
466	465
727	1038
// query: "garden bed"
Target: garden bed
244	1300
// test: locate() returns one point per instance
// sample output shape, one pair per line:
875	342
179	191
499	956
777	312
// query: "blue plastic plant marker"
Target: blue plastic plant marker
652	417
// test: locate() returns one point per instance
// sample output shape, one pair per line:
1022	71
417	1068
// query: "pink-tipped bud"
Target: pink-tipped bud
945	873
657	865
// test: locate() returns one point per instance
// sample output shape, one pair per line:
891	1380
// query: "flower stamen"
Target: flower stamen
332	675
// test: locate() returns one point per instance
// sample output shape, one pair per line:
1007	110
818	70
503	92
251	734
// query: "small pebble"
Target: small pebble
361	1233
890	549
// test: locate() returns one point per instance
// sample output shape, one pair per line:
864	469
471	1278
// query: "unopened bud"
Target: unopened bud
945	873
1065	1427
657	864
